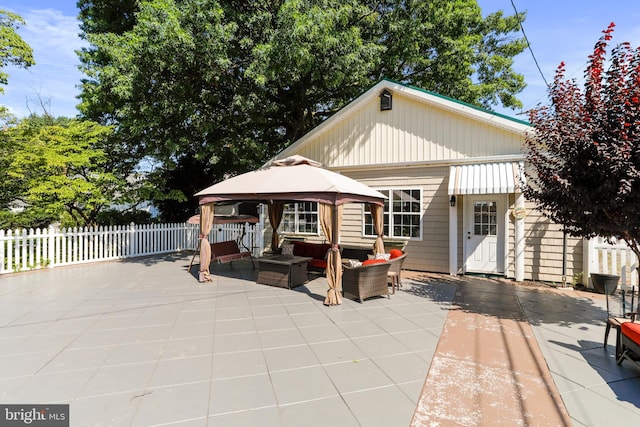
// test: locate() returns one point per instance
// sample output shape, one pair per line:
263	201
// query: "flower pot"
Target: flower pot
605	283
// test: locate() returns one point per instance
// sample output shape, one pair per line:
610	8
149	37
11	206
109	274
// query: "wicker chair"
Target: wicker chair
365	281
394	272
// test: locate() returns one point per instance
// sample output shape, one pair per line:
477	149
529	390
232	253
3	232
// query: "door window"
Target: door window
485	216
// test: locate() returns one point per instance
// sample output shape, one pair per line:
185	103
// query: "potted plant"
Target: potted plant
605	283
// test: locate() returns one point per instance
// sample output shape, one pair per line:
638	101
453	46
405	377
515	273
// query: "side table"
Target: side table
282	270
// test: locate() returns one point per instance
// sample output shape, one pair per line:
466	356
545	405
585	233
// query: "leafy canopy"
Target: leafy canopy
585	150
13	49
211	88
60	170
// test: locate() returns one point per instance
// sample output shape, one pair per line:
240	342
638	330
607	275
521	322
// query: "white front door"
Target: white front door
484	234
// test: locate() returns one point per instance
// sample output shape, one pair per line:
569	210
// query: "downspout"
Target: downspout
564	257
519	237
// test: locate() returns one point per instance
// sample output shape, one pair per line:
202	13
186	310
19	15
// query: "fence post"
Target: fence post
192	233
50	261
63	244
2	269
10	261
23	248
587	259
37	247
132	240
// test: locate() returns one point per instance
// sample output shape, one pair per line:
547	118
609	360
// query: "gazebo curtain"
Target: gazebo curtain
331	221
276	209
377	214
206	222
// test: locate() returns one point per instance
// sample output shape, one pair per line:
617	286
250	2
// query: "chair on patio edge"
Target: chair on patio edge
629	343
393	275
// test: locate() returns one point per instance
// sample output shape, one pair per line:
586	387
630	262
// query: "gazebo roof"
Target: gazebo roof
294	178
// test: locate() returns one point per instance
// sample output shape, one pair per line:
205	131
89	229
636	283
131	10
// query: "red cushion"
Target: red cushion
631	330
318	263
395	253
373	261
315	251
299	248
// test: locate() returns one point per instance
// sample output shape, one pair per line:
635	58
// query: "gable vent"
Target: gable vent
385	100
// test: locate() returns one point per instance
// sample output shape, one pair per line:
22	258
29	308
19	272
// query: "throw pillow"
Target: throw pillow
287	250
395	253
385	257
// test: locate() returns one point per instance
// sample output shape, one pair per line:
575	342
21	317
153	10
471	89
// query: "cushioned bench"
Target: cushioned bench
227	252
316	251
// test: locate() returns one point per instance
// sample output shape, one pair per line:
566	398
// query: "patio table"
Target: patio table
282	270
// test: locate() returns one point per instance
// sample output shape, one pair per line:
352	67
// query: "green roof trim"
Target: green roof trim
457	101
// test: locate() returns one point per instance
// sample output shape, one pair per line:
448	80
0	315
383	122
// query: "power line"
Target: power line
529	44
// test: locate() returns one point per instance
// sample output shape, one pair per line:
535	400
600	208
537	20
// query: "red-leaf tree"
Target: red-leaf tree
584	152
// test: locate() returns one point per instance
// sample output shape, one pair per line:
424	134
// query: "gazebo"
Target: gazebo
295	178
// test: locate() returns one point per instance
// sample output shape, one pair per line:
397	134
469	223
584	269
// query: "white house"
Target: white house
452	172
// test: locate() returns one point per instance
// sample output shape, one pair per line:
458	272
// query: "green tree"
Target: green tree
208	88
585	151
13	51
63	172
446	46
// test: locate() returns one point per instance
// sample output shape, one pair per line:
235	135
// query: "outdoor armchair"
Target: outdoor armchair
366	281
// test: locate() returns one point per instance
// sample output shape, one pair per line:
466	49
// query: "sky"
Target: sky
559	30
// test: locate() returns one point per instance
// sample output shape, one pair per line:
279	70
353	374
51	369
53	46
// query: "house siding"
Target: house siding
431	251
411	132
543	255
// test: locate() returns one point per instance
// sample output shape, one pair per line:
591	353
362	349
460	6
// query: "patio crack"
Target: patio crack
136	396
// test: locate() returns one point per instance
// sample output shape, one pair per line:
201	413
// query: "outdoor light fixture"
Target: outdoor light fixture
452	201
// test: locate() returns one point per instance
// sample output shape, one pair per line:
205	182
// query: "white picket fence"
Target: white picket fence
607	258
24	249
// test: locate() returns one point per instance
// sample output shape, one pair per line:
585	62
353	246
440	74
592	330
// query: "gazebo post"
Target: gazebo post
330	219
377	215
206	223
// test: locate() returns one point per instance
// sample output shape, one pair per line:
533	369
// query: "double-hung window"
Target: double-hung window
300	218
402	214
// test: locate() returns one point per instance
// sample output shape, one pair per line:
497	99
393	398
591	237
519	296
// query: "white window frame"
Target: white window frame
388	215
296	215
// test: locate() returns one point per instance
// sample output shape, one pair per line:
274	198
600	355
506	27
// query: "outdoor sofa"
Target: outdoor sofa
317	251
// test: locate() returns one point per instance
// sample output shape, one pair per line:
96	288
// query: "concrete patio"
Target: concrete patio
141	343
